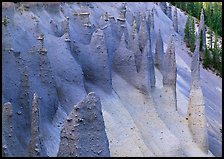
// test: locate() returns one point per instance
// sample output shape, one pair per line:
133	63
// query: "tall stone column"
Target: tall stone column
170	68
159	52
202	30
175	20
196	106
36	147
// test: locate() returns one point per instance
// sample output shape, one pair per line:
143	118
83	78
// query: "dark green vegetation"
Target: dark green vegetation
213	13
189	33
213	20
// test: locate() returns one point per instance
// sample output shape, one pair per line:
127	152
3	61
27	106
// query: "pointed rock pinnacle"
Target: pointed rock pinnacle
202	30
170	70
175	20
159	52
196	107
86	118
36	145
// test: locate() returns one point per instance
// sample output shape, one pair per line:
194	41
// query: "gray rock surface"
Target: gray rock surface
175	20
95	61
10	144
143	35
134	45
36	147
150	62
68	63
170	68
202	28
163	6
124	64
169	12
159	52
153	12
195	66
83	133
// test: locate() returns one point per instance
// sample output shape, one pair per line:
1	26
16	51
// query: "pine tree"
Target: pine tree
206	60
215	54
187	31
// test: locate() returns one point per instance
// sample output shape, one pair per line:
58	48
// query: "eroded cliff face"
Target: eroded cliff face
55	54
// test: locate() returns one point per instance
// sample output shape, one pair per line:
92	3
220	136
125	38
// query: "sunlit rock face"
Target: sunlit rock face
83	133
93	79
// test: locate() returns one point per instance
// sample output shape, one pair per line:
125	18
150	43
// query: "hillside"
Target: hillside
55	55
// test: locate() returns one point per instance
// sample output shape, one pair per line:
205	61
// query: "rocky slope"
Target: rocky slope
131	55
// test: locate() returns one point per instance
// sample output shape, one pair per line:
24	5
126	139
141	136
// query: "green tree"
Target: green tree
206	60
215	53
187	31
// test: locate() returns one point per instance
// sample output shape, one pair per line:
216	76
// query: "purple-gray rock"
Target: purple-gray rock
124	65
143	36
152	18
175	20
195	66
169	68
55	28
83	135
159	52
163	6
95	61
169	12
202	28
134	45
137	20
36	147
150	62
10	144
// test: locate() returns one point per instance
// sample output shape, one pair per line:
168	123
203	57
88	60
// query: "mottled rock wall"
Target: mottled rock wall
83	133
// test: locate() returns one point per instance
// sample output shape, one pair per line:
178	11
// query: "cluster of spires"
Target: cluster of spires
164	62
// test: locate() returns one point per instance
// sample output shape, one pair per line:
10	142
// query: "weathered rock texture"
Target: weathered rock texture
163	6
66	50
202	30
134	45
169	11
36	147
196	107
150	65
159	52
143	37
95	61
153	12
170	68
175	20
10	145
124	65
83	133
